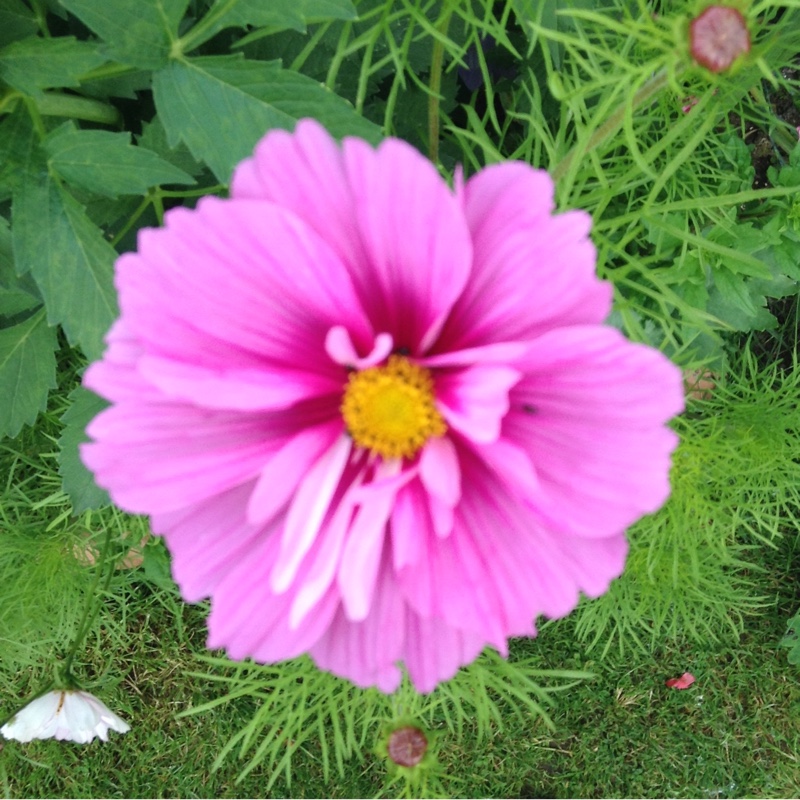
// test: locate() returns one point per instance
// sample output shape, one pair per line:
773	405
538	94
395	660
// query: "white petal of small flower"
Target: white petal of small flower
67	715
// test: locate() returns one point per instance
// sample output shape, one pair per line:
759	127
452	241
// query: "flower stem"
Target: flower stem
651	87
437	59
204	29
91	609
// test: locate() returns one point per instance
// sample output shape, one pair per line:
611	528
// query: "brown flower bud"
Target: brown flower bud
718	37
407	746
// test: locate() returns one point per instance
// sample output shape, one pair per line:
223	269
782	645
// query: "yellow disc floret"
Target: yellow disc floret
390	410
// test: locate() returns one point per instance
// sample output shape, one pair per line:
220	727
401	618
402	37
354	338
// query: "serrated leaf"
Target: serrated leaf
107	163
16	21
77	481
17	295
277	14
136	32
154	138
18	141
35	63
68	258
220	106
734	300
27	371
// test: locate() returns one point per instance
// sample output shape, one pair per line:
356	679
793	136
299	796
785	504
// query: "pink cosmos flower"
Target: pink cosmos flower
378	420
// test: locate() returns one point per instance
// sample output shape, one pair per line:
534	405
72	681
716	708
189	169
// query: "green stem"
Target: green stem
612	123
92	607
54	104
203	31
111	70
437	60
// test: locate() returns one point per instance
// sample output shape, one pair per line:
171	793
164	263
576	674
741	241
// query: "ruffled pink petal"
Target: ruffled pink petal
340	348
208	540
304	172
307	512
590	413
386	213
415	240
367	651
474	401
361	558
531	271
247	389
116	377
283	472
434	651
238	285
441	476
249	619
162	458
440	472
409	525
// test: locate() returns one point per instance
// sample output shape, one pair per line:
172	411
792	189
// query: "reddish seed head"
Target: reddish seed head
718	36
407	746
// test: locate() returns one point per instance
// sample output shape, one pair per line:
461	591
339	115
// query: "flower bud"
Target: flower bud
718	37
407	746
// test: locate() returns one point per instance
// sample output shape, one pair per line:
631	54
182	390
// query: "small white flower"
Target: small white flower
64	714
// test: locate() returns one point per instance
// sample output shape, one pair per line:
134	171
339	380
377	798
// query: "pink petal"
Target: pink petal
531	271
248	389
249	619
434	651
366	651
440	472
325	562
208	540
387	214
474	401
307	512
683	682
237	285
362	553
590	413
408	525
415	240
163	458
340	348
282	473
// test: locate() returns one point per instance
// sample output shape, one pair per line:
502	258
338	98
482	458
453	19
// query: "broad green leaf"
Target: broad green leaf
33	64
154	138
17	148
135	32
17	295
735	301
27	371
220	106
107	163
17	21
77	481
68	258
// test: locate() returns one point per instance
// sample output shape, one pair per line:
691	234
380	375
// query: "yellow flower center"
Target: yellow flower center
390	410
